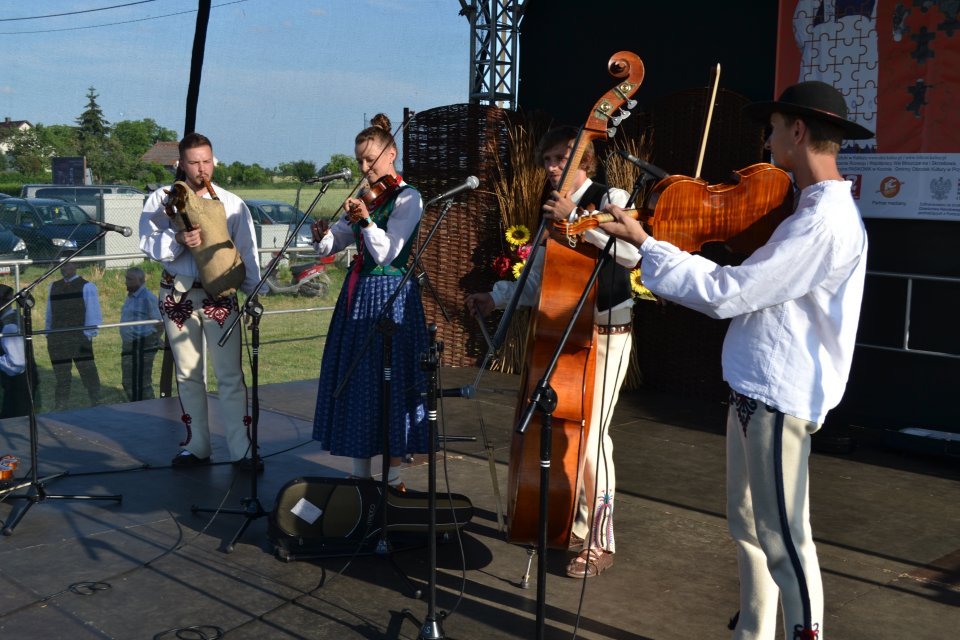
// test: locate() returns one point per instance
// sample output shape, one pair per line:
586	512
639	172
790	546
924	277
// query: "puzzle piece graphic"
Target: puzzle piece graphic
837	40
923	38
919	93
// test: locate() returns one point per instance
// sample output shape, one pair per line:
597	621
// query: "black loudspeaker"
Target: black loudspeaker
324	517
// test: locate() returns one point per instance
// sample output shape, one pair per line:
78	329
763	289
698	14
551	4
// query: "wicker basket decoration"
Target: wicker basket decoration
442	147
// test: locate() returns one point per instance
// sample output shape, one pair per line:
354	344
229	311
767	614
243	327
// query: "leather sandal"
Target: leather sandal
576	542
589	563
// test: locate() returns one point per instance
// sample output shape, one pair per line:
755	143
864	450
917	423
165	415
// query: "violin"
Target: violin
376	194
372	196
689	212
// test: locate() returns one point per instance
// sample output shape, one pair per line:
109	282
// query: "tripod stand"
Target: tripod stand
37	486
250	507
430	628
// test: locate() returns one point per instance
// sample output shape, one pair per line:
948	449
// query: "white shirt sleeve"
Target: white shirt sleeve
504	290
157	234
13	361
93	316
385	246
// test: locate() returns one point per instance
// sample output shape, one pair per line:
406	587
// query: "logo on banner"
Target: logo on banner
857	181
890	187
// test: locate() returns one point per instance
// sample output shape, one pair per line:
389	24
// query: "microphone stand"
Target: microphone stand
250	507
36	486
544	399
431	627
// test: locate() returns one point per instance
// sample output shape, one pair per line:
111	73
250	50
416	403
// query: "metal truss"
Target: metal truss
494	47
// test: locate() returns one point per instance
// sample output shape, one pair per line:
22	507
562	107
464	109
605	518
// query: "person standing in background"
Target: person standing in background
73	302
13	363
140	342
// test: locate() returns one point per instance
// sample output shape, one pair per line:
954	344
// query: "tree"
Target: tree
92	133
300	169
61	137
137	136
339	162
30	155
93	126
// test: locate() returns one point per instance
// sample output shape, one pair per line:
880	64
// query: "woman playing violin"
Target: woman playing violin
592	533
381	224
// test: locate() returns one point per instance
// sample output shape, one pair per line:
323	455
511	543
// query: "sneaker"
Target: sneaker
187	459
248	464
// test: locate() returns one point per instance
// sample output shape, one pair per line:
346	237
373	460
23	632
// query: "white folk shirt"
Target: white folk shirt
158	237
624	253
795	303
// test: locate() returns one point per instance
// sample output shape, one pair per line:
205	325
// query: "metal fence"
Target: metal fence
292	333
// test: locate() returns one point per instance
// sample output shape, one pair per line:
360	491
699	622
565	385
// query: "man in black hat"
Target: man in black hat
794	306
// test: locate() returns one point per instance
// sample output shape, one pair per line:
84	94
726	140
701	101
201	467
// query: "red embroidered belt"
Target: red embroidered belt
614	329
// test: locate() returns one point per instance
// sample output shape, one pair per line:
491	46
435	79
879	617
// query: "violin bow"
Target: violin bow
706	127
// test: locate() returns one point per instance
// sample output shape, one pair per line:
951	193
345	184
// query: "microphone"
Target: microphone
653	170
469	183
124	231
462	392
343	174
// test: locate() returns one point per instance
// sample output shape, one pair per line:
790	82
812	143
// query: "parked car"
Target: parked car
12	247
48	226
273	212
87	196
277	212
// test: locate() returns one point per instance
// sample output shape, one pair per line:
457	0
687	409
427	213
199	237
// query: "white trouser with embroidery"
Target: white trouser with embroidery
599	481
186	343
768	513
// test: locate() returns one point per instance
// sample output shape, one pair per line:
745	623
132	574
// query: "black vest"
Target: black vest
613	281
66	303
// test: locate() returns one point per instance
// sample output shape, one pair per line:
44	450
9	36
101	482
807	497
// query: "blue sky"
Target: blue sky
283	80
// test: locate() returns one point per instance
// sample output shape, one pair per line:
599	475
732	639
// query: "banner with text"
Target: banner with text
898	66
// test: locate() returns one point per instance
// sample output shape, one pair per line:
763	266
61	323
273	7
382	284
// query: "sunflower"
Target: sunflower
639	291
518	235
518	268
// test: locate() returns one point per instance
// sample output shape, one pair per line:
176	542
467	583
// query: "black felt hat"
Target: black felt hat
812	99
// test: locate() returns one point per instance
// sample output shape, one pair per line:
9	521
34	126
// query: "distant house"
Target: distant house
7	128
163	153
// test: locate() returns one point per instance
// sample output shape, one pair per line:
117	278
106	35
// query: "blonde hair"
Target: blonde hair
379	131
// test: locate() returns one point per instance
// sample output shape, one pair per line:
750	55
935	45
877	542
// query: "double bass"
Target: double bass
566	273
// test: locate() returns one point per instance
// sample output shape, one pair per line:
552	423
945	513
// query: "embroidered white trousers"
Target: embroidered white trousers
187	345
594	518
768	514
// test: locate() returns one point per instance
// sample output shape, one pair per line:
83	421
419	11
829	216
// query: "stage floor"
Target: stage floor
886	523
